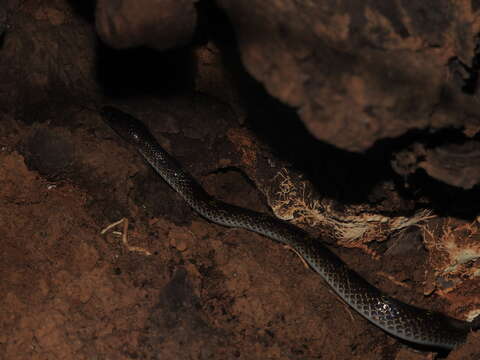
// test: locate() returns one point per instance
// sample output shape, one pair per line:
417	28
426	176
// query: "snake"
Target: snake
404	321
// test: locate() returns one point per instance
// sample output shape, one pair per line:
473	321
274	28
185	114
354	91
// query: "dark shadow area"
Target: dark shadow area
338	174
84	8
467	75
2	37
342	175
445	199
139	72
4	23
213	24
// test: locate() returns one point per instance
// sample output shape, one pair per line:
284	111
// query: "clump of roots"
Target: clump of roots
293	201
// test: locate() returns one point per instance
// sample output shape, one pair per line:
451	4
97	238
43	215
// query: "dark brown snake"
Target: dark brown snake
395	317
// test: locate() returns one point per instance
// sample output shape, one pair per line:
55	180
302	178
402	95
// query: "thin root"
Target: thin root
300	256
124	235
112	225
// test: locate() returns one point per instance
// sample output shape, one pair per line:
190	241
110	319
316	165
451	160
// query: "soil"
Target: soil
164	283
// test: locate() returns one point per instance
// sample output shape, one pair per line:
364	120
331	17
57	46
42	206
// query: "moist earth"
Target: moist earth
165	283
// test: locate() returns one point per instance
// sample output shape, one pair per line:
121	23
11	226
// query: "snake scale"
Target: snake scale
399	319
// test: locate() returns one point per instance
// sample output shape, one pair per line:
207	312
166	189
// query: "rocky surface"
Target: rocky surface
168	284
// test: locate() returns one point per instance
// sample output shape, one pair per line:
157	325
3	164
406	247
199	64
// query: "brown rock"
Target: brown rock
359	71
454	164
158	24
457	165
179	238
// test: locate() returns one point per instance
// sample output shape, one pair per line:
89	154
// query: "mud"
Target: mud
170	285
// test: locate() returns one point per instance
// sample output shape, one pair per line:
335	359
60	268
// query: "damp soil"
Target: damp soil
164	283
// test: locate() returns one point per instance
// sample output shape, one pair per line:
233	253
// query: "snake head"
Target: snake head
125	125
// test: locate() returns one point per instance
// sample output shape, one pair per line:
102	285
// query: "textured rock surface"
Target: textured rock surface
159	24
455	164
360	71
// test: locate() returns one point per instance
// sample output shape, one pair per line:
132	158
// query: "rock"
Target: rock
158	24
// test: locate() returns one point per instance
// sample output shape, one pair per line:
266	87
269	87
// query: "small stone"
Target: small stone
179	238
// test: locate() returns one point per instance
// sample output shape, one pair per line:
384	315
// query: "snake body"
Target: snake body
399	319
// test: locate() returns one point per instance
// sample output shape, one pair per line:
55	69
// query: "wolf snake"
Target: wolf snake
397	318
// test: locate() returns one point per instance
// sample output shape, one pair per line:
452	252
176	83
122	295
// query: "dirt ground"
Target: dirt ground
165	283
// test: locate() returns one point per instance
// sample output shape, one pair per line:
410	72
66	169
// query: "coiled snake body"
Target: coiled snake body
395	317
